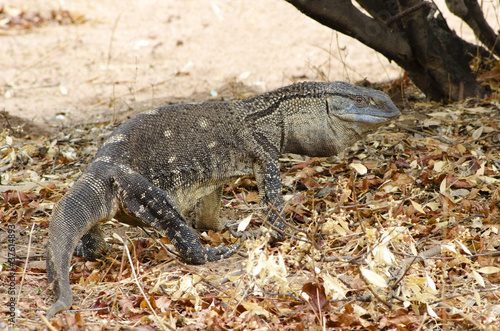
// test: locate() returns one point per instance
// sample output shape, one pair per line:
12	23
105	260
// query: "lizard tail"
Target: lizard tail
85	205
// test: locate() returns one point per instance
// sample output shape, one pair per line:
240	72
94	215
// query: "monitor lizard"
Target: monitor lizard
166	162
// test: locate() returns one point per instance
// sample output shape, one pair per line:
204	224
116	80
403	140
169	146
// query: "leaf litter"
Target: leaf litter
15	18
401	231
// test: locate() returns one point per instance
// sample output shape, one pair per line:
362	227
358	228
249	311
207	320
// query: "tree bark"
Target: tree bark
470	12
406	32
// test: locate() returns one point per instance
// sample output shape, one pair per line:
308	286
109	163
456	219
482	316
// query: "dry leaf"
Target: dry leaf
488	270
242	226
315	295
256	308
361	169
418	207
373	278
478	278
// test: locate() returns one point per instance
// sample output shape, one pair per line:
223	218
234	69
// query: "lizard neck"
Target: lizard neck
317	136
309	130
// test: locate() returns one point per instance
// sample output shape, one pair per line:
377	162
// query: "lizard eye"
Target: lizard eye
359	99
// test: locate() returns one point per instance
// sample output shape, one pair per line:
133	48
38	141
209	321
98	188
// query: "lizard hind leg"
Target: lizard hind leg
92	246
152	205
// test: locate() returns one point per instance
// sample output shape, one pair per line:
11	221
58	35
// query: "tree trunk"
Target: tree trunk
406	32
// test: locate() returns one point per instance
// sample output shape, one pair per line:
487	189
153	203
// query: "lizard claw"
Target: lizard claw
234	233
244	235
275	236
220	252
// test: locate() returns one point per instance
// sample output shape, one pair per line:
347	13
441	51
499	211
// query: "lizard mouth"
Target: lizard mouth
369	115
365	118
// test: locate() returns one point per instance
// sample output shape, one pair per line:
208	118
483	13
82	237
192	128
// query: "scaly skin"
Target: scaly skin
159	166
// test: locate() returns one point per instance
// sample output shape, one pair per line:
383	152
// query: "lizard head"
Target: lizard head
332	116
355	111
363	108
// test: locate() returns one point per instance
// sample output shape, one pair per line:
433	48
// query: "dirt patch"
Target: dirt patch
88	57
23	128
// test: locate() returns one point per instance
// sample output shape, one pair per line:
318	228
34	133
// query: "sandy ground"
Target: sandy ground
128	52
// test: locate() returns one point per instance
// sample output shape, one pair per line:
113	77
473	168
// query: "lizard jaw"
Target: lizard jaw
365	114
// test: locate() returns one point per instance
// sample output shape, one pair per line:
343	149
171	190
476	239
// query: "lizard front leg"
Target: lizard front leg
268	179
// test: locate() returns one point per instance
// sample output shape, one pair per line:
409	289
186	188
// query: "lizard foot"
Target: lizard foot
87	253
214	254
252	234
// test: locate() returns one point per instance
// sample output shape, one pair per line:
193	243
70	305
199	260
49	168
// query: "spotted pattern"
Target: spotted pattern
114	138
159	166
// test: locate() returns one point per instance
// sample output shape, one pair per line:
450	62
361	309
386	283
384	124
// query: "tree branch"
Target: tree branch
470	12
342	16
404	31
